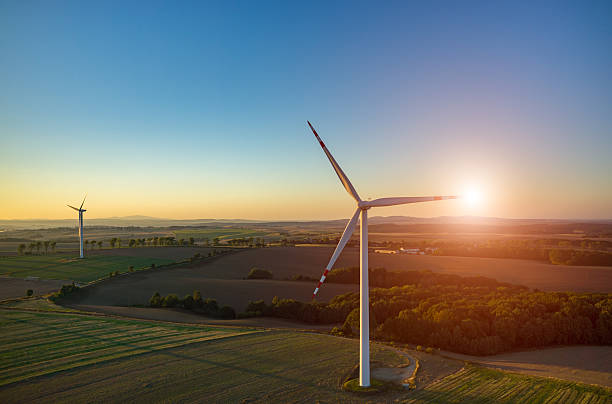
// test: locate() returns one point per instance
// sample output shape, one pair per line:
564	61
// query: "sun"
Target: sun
473	196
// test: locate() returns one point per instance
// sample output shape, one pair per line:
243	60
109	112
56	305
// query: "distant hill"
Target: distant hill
379	224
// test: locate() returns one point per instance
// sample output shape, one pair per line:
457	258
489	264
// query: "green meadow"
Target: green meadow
70	267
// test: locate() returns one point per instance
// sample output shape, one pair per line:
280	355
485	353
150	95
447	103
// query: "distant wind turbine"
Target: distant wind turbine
362	209
80	210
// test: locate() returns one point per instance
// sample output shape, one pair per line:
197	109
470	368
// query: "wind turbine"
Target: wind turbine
80	210
362	210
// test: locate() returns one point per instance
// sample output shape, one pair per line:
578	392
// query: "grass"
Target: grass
55	357
70	267
475	384
83	359
376	386
34	344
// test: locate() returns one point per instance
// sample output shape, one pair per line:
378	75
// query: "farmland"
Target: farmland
70	267
168	362
285	262
79	358
474	384
58	342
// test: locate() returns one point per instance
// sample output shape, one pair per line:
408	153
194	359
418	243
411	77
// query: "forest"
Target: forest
477	316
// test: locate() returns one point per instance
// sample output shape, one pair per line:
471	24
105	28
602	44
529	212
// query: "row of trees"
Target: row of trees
194	302
560	252
38	245
247	242
468	315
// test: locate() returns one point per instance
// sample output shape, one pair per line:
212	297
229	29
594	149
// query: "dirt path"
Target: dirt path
399	375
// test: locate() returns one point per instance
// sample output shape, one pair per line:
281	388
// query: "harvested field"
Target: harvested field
257	367
585	364
166	253
475	384
58	342
15	287
137	289
285	262
184	316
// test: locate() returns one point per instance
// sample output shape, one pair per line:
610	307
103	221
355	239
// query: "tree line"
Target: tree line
477	316
194	302
47	245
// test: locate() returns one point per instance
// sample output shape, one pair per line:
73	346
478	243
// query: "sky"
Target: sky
198	109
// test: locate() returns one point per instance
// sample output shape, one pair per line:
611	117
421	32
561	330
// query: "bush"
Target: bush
257	273
155	300
429	350
226	312
188	302
131	268
29	292
171	300
419	348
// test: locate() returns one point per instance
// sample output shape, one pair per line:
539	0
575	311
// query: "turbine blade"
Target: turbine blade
83	202
72	207
343	178
403	200
346	236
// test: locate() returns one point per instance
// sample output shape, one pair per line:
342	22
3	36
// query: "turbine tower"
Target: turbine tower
362	210
80	210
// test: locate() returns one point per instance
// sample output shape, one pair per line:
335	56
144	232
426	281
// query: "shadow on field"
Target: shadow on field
240	355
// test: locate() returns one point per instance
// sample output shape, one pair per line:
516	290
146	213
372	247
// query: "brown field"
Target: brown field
137	289
173	253
585	364
184	316
287	261
11	288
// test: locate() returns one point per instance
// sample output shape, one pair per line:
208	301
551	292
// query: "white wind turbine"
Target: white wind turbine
80	210
362	209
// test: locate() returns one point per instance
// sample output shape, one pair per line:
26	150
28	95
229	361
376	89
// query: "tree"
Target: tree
132	243
38	245
181	241
53	244
93	244
191	241
100	244
46	245
29	292
31	247
118	242
216	241
86	244
21	249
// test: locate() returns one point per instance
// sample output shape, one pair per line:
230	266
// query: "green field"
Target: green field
67	266
34	344
475	384
55	357
222	233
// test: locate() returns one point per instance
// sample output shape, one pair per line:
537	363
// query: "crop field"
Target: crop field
589	364
70	267
474	384
287	261
153	362
57	342
223	233
137	289
16	287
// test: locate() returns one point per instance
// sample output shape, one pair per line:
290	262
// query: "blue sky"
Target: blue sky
198	109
